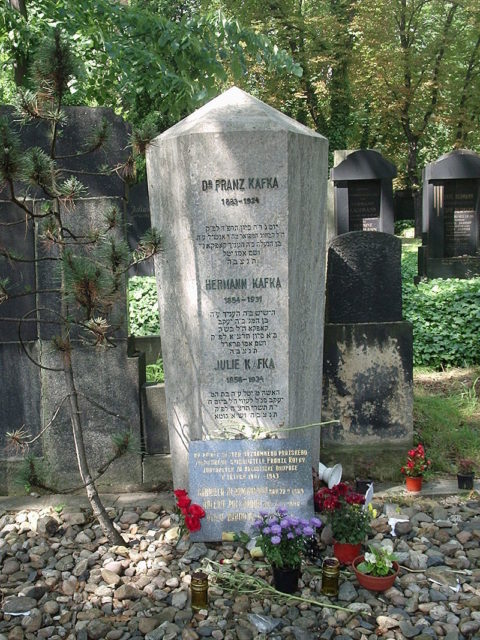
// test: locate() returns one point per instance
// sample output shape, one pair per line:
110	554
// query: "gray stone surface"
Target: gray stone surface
237	190
154	419
110	380
368	386
234	479
18	410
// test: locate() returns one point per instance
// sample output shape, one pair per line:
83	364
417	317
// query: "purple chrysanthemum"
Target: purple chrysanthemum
315	522
275	539
266	530
307	531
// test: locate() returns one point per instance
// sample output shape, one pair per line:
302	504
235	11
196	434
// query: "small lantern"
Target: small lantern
330	575
199	591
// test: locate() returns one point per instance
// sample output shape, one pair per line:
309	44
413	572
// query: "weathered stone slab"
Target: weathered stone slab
20	393
17	237
98	380
234	479
364	280
237	191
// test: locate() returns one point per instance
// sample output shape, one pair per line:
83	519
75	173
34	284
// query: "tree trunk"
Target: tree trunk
21	62
92	494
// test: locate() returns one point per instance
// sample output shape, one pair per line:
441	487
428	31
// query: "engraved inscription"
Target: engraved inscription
241	243
363	205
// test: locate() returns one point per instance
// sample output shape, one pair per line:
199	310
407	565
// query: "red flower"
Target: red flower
183	501
196	510
179	493
193	523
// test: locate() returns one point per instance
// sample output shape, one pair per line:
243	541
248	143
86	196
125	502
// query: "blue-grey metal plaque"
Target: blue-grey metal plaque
234	479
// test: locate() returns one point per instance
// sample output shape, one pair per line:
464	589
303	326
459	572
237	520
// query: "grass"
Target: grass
447	415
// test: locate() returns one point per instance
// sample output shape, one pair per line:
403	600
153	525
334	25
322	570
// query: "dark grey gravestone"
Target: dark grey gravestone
104	378
364	281
364	205
138	222
87	216
100	171
17	239
20	393
451	217
460	218
363	193
234	479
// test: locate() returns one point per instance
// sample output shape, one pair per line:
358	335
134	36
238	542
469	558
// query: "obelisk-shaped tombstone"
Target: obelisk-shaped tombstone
238	191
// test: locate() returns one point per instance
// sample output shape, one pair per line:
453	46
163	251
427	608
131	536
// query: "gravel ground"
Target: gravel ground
60	579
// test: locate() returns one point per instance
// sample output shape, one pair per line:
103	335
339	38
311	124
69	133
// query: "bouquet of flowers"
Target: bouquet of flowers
189	513
417	463
345	511
283	538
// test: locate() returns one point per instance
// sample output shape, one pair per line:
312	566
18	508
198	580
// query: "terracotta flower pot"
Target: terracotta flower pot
374	583
285	579
414	485
345	552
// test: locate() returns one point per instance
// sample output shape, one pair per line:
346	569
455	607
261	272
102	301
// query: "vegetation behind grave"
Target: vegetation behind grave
445	315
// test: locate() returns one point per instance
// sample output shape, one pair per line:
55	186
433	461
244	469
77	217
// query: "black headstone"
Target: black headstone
364	281
451	216
363	195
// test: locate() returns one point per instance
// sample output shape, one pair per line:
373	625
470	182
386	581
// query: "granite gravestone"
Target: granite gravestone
237	190
368	353
234	479
30	396
451	215
363	196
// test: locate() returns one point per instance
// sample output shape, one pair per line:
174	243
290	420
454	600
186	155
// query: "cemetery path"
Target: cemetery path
59	580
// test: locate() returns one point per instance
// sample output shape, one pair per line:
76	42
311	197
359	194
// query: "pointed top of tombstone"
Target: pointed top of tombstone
235	110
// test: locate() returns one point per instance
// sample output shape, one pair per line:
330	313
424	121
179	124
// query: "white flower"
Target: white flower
370	557
388	563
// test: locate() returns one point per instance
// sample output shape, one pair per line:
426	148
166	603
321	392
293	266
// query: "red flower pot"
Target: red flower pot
414	485
374	583
345	552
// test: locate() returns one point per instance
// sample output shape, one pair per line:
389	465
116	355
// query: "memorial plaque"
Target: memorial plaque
363	205
460	225
235	192
234	479
371	224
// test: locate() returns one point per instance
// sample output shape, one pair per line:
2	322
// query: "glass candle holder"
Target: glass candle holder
330	575
199	590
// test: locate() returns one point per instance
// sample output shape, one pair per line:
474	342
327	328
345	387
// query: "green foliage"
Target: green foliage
402	225
155	372
447	418
143	306
445	315
31	473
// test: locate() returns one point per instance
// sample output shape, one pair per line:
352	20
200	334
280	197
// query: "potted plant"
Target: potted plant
417	464
465	473
349	517
284	540
377	569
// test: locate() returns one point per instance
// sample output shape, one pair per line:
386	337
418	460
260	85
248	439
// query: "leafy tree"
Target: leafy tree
417	64
144	58
91	263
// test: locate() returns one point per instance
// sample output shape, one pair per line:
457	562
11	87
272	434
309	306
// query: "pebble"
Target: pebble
64	582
